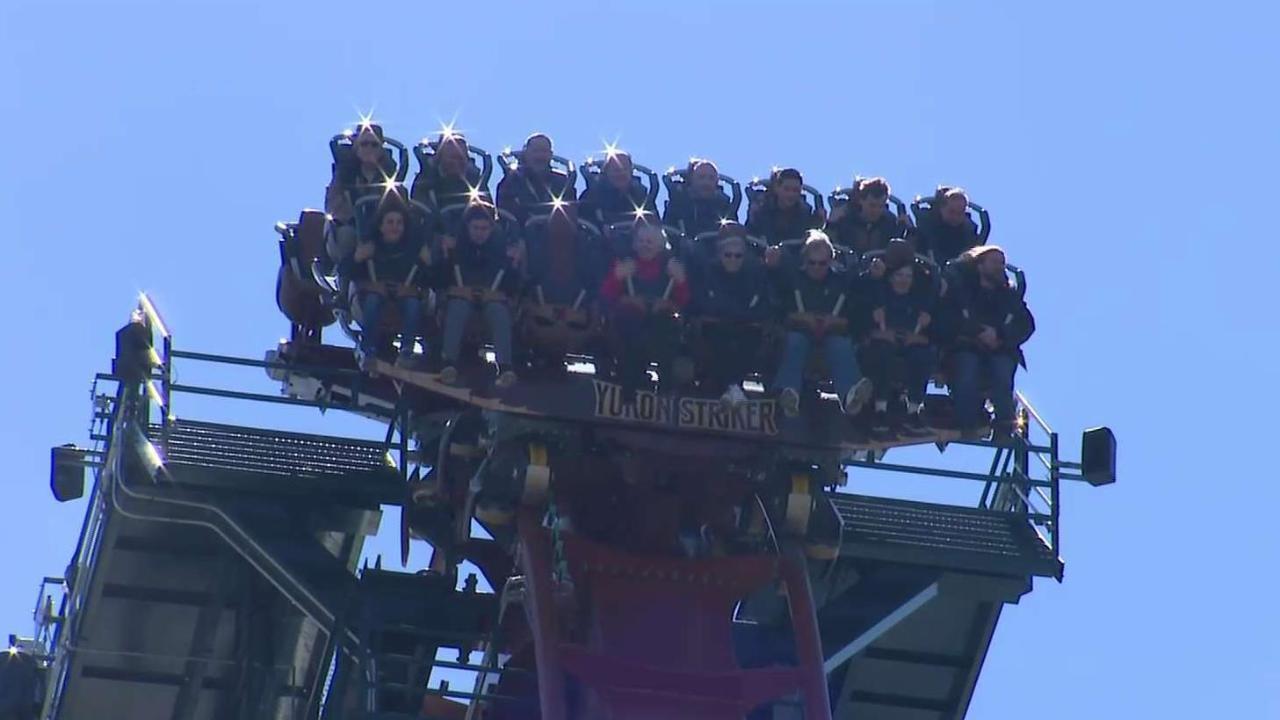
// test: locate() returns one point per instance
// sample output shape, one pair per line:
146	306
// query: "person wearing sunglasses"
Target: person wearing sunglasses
363	172
818	300
731	301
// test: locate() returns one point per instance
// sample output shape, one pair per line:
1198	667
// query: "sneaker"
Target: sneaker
790	401
913	425
449	375
505	380
733	397
858	396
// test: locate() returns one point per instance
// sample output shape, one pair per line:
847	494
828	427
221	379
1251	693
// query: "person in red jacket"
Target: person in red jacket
644	294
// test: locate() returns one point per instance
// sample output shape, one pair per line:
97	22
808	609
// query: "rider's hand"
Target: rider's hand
448	243
424	255
624	269
877	316
772	255
989	337
675	269
364	251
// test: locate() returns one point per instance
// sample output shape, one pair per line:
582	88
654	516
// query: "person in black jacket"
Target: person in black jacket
818	299
450	178
989	322
782	214
946	230
617	196
533	187
365	172
700	206
865	223
480	271
390	265
732	298
900	346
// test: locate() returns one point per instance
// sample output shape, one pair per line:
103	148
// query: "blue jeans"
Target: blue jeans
456	316
971	373
838	351
373	305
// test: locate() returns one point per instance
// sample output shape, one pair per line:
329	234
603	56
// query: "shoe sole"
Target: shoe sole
861	394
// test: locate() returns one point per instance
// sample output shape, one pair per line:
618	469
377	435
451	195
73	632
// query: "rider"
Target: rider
733	299
644	294
946	231
534	183
391	264
450	178
865	223
617	196
782	213
900	346
818	298
702	206
480	271
365	173
989	323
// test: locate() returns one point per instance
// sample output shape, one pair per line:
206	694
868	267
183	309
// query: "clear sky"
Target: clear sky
1125	150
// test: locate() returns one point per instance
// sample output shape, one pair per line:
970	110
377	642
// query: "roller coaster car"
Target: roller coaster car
562	167
298	295
432	188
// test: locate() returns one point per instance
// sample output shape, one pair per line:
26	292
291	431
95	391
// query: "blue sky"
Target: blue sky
1126	151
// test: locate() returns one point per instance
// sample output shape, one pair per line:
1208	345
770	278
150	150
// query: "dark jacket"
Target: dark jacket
969	305
744	296
525	194
855	233
775	224
602	204
944	242
695	216
902	312
819	297
391	262
440	191
478	266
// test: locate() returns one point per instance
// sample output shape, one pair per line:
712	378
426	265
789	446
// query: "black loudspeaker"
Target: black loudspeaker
1098	456
66	473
